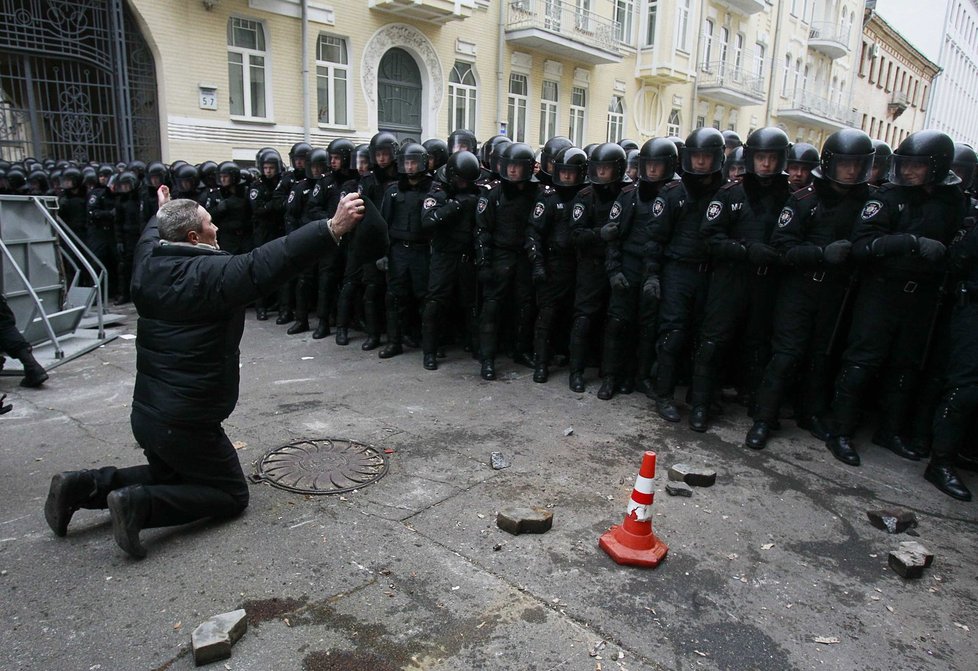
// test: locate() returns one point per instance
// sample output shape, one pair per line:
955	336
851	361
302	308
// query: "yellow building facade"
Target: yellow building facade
237	75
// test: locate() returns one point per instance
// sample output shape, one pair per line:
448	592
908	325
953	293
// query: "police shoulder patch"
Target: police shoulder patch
871	209
315	192
483	204
429	203
615	210
291	196
92	200
538	210
787	214
658	206
578	211
713	210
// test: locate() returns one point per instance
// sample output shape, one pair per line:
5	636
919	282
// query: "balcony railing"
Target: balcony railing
829	38
819	109
738	81
564	20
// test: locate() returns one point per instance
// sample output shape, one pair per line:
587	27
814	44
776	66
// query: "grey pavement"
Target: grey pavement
775	567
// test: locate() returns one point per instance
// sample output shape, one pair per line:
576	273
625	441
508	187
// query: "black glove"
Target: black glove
837	252
466	199
652	288
609	231
730	250
903	244
804	256
221	207
449	209
539	272
120	248
763	255
618	281
382	264
930	249
485	273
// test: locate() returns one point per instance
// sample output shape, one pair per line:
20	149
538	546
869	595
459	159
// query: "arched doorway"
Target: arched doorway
399	95
77	81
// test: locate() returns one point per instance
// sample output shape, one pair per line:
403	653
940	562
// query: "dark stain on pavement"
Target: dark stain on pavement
262	610
298	406
534	615
735	646
345	661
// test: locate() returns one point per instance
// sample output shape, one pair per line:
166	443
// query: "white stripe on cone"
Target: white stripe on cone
643	512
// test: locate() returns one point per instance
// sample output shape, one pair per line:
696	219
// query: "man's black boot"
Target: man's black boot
941	474
523	359
758	435
541	372
67	492
895	444
699	418
430	361
666	409
34	373
391	350
284	317
488	371
372	342
322	330
842	449
342	335
261	314
576	381
607	390
129	508
300	326
814	425
625	385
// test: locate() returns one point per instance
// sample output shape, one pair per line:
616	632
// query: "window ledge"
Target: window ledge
343	129
253	120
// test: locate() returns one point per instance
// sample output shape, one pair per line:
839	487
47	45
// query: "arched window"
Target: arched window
616	119
246	68
461	97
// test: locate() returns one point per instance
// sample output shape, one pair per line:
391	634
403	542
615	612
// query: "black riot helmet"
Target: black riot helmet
631	164
89	177
657	152
105	170
137	167
883	158
437	153
768	146
232	170
964	164
847	157
16	178
589	148
922	158
71	178
804	153
570	167
385	145
550	150
187	176
703	153
157	173
462	139
412	160
606	165
360	161
270	156
627	144
462	170
38	180
734	166
731	140
344	149
127	182
299	152
208	173
261	152
489	151
318	162
516	162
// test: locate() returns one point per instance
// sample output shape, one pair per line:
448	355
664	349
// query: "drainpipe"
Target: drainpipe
500	66
775	50
698	27
305	70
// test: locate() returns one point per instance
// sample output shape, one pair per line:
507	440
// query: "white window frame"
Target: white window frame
516	106
759	60
739	52
624	15
469	94
549	110
674	124
682	25
578	116
329	70
246	54
651	22
707	38
616	119
723	37
786	74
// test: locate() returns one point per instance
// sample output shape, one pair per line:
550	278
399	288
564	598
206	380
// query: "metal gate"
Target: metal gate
399	95
77	82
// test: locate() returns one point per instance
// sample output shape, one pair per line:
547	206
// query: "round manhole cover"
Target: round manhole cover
321	466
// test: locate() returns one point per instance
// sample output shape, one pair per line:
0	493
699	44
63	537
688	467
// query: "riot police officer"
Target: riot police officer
462	139
267	213
802	159
883	159
290	191
296	214
351	289
128	226
230	210
157	175
551	148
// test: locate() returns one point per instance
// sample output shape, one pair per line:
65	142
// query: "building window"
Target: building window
700	121
786	75
722	46
516	118
616	119
333	81
577	114
548	111
675	121
653	10
707	43
461	97
246	68
739	52
624	10
682	25
759	60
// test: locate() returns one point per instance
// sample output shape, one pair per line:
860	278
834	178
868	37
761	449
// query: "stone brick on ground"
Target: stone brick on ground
213	638
678	489
694	476
892	521
525	520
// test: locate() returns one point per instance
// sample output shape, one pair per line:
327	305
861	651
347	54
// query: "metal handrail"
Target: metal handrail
721	74
828	31
565	19
58	352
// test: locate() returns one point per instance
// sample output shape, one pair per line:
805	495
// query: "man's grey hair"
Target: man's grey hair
176	218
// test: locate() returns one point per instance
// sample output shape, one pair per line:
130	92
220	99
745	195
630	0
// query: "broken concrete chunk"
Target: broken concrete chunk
916	548
910	565
569	430
892	521
498	461
213	638
694	476
678	489
525	520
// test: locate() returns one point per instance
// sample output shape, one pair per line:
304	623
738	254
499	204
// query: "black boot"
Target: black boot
576	381
758	435
941	474
666	409
578	353
842	449
625	385
67	492
322	330
129	508
895	444
488	371
342	335
261	314
391	350
814	425
541	372
607	390
430	361
699	418
301	326
284	317
523	359
372	342
34	373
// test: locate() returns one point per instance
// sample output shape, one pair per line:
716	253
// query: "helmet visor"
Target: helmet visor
515	169
655	169
848	168
911	170
702	161
568	174
604	172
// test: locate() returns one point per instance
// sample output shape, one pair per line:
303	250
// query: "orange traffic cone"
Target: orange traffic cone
633	543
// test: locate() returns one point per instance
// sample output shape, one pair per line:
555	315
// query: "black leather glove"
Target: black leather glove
902	244
618	281
761	254
610	231
651	288
930	249
837	252
383	263
539	272
804	256
730	250
485	273
449	209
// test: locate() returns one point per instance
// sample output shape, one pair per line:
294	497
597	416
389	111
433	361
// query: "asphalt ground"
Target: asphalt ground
774	567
